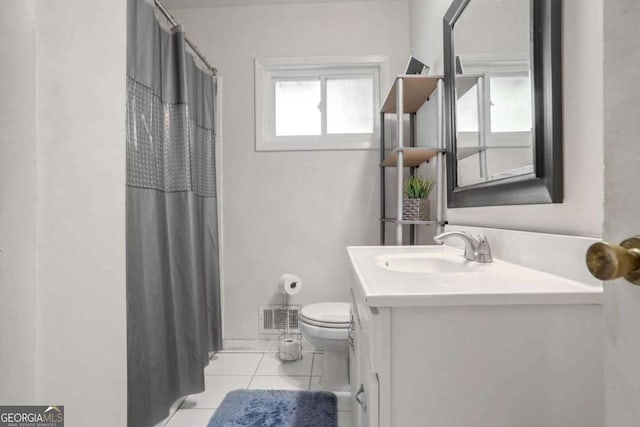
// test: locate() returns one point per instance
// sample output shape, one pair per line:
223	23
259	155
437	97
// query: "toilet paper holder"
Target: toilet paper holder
289	343
289	347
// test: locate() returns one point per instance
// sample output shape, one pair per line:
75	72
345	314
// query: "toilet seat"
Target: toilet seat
334	315
324	333
325	325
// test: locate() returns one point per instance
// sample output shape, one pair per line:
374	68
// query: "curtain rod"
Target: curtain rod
173	22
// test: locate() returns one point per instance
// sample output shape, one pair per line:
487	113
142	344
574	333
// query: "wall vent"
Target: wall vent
275	319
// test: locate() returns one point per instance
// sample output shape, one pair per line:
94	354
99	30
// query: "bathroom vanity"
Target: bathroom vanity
440	341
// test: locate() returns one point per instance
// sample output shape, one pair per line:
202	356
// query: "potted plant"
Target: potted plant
416	205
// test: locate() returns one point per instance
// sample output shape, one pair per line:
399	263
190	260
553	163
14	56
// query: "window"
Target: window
511	104
318	103
507	102
466	108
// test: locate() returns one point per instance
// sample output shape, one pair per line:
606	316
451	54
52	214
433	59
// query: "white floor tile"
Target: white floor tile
272	382
318	360
176	405
164	422
345	419
233	364
172	410
271	365
344	400
344	397
216	388
191	418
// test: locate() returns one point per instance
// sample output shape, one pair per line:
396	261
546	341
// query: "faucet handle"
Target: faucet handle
483	251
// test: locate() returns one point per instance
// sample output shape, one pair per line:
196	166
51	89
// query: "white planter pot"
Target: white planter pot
415	209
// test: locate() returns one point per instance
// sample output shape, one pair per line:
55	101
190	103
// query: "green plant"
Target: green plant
418	188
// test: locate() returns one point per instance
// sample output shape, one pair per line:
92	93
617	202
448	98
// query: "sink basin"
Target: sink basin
425	263
411	276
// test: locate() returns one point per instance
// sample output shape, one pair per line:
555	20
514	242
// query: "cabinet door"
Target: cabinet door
353	354
355	350
364	384
368	399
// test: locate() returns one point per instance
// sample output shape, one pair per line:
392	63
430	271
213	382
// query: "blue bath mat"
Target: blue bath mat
276	408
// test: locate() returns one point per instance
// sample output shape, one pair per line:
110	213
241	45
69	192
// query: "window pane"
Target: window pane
467	106
350	105
510	103
298	107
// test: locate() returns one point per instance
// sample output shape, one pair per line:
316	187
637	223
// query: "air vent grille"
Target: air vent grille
275	319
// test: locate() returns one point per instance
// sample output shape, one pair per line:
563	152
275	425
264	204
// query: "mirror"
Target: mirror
503	102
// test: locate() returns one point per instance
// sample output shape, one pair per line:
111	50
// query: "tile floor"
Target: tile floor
253	370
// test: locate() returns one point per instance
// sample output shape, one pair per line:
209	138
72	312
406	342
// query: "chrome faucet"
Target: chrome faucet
475	249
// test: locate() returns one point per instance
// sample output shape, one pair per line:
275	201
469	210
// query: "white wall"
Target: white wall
582	212
17	202
291	211
62	186
505	30
81	317
425	34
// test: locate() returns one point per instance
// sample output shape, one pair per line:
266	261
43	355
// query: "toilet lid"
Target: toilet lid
335	314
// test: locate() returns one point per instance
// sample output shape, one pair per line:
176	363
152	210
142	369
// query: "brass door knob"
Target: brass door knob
608	262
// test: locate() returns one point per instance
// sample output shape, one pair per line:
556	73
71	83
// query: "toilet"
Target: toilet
326	326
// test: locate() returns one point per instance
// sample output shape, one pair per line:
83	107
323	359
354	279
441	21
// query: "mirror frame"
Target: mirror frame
545	184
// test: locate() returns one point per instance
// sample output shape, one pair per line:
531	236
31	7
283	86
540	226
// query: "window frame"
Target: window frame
491	66
270	70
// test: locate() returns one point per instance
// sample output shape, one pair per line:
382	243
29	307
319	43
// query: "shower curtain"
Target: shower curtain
173	285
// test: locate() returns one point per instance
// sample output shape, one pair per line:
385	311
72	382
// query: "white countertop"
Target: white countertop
497	283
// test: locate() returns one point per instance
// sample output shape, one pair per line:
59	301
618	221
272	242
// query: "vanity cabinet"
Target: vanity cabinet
474	365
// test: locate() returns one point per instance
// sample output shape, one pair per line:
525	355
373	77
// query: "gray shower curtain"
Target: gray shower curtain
173	285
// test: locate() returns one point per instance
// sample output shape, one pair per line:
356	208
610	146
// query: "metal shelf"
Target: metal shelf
413	156
464	152
411	222
406	96
465	82
416	89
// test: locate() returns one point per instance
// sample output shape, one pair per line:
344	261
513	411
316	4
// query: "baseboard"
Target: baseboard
265	344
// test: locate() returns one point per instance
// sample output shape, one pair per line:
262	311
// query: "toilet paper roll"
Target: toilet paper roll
289	284
289	348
